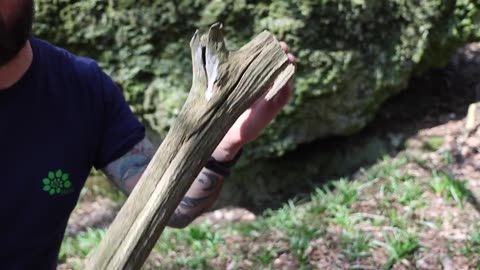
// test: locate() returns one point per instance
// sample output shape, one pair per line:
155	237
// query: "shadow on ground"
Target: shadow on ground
433	98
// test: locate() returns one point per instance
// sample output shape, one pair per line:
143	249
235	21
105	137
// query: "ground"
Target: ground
415	208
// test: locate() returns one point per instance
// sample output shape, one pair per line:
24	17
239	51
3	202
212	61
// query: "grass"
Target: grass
79	246
379	219
399	244
472	247
356	245
98	187
449	187
264	256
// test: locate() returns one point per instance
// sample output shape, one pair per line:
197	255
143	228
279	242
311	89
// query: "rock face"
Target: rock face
352	56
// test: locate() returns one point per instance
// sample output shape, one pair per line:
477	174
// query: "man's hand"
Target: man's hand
127	170
254	120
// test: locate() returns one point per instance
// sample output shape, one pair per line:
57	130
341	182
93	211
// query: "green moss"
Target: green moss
352	54
433	143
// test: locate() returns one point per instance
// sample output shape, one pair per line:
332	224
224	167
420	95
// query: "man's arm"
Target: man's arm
127	170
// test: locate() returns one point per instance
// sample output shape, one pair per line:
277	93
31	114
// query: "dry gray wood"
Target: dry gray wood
473	117
225	83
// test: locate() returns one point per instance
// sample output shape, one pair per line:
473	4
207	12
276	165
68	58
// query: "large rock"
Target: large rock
352	56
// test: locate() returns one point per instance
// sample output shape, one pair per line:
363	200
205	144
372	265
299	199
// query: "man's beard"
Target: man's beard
15	32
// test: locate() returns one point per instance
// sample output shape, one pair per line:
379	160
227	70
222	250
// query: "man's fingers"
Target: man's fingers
291	58
284	46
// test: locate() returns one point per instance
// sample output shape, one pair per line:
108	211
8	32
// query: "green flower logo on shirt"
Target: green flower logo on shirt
56	183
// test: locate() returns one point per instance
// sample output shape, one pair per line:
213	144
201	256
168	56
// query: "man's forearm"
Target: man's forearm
199	198
126	172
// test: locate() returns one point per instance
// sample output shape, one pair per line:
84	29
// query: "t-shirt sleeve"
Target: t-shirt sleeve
119	129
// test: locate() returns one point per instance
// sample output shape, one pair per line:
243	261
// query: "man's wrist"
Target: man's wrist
226	154
223	167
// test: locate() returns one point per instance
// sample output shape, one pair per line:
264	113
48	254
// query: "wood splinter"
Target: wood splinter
225	83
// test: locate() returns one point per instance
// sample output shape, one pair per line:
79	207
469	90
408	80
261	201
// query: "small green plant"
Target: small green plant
192	262
264	256
201	240
299	241
389	167
252	230
449	187
433	143
320	199
80	244
399	244
472	247
355	245
347	191
202	237
448	157
286	217
342	216
290	220
409	192
397	220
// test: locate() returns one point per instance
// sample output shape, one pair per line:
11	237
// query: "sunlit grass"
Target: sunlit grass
449	187
399	244
357	219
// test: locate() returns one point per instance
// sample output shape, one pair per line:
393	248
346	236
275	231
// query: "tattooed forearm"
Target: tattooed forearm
199	198
179	219
189	202
127	170
209	180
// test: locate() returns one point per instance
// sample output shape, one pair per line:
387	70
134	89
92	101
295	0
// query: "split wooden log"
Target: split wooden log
225	84
473	117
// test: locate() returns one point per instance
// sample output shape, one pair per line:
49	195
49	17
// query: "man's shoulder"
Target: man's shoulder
63	61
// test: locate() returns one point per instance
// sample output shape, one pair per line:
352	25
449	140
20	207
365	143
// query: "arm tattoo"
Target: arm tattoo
209	180
127	170
179	219
189	202
199	198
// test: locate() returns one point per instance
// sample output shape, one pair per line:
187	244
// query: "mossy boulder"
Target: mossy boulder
352	55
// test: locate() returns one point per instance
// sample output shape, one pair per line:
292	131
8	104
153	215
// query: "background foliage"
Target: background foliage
352	54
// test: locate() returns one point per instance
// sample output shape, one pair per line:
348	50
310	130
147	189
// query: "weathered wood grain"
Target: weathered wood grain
225	83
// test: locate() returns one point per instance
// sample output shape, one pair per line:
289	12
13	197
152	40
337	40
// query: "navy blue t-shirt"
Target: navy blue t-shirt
61	118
